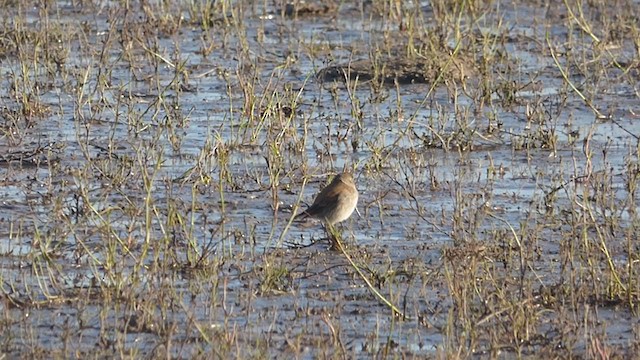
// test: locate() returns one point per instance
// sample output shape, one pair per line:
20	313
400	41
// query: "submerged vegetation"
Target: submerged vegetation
153	155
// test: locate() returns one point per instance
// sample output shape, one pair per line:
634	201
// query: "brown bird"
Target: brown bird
336	202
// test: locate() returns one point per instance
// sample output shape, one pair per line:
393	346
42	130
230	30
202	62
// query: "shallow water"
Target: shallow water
146	159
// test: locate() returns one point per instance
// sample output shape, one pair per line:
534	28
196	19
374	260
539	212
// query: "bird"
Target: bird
336	202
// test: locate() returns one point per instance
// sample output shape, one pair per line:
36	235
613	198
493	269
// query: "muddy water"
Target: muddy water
145	159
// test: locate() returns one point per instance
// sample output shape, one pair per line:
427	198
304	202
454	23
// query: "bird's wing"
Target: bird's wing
327	195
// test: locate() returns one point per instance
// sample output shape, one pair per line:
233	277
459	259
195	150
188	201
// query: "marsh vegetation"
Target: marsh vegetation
153	155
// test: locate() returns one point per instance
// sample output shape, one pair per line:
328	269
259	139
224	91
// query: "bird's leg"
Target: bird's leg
335	237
